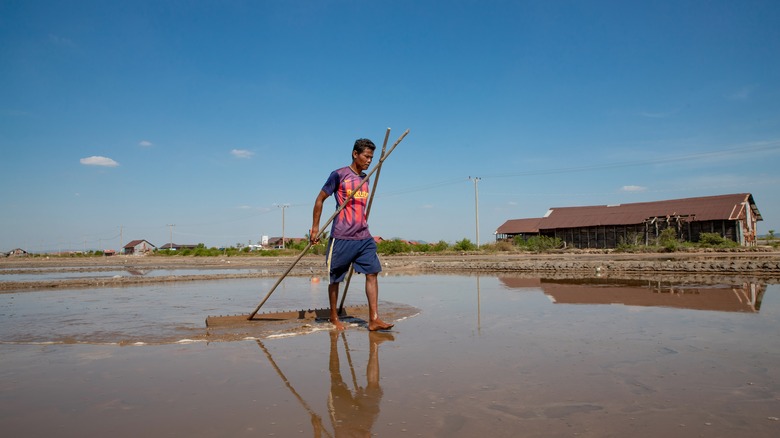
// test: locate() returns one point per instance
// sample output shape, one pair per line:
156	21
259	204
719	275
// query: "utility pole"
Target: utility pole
282	206
476	180
170	229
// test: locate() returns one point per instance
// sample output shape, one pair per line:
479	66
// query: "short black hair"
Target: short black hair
362	144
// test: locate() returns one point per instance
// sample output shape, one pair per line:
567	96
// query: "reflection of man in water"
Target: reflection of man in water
353	413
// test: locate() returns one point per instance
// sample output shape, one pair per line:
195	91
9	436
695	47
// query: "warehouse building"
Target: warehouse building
732	216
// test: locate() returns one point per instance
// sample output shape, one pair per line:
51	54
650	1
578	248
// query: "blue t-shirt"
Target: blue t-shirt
350	223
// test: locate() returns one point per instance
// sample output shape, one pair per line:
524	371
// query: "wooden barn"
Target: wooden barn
733	217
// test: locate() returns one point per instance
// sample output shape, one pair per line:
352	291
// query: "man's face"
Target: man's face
362	160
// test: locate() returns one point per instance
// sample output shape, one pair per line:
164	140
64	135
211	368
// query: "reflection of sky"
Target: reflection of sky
138	313
480	359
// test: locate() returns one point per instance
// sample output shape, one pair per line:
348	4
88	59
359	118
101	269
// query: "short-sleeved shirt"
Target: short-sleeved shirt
350	223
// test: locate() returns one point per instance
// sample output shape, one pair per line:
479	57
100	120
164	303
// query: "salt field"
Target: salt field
469	355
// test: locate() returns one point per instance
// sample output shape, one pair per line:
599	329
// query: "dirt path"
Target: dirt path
760	266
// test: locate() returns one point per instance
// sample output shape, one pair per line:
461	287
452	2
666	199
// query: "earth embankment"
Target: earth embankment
753	265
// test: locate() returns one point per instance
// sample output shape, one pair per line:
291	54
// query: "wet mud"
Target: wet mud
499	352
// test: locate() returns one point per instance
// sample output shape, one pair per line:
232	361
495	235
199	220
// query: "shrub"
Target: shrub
394	246
318	249
440	246
540	243
715	240
421	247
500	246
464	245
632	242
668	239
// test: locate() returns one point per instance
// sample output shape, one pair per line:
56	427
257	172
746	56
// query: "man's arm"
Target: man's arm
316	214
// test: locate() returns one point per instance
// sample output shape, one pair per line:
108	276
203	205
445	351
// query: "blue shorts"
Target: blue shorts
360	253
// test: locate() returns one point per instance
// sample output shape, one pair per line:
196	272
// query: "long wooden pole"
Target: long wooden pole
324	227
368	211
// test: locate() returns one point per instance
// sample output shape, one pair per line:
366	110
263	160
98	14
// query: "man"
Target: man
350	241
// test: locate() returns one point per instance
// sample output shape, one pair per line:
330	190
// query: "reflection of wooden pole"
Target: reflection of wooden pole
316	419
479	314
349	360
368	211
322	229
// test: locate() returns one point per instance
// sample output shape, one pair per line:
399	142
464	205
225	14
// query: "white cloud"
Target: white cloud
145	143
61	41
633	189
98	161
743	93
660	114
15	113
241	153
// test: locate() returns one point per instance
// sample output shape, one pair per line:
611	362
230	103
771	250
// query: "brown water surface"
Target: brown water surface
469	356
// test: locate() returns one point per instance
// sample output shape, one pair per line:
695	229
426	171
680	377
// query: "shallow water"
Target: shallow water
485	356
31	274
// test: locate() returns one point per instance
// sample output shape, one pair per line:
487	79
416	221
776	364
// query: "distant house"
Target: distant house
732	216
139	247
18	252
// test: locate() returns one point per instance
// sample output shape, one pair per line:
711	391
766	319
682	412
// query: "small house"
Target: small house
139	247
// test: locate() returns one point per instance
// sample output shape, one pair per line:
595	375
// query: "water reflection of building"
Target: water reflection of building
743	297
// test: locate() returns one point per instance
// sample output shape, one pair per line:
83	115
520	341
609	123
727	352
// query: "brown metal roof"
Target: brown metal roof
721	207
520	226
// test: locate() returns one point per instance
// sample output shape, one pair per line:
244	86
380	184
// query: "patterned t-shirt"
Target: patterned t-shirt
350	223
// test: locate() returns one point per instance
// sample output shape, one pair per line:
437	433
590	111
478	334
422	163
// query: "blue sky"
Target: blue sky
120	118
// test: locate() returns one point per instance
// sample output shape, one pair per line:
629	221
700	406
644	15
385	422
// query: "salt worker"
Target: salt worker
350	241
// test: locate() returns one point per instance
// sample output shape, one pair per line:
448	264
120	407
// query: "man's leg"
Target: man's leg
372	293
333	298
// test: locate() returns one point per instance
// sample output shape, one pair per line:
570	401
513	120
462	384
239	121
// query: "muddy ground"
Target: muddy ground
761	266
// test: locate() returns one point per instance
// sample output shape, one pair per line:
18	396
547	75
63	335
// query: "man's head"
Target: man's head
362	154
362	144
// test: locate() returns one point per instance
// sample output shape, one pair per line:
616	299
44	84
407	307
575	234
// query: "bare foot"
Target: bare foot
378	324
337	324
376	338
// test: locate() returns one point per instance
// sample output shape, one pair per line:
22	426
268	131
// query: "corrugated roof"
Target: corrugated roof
721	207
520	226
705	208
